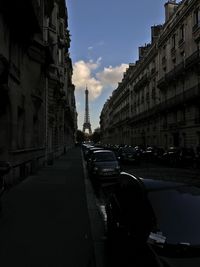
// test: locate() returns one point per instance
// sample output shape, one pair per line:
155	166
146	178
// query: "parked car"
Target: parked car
149	151
170	157
129	155
176	156
90	152
85	148
104	165
153	153
186	156
153	223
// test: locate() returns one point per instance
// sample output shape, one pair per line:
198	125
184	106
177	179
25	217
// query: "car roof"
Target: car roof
152	184
103	151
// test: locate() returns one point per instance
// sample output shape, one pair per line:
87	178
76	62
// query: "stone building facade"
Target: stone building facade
37	104
158	100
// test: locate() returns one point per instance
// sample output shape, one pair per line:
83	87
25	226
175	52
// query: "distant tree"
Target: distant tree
80	136
96	135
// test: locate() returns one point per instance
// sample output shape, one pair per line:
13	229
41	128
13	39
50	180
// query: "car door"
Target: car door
136	215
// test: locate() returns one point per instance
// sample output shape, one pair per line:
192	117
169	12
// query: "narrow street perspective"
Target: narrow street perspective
100	133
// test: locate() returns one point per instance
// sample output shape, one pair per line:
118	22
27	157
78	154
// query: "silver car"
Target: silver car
104	165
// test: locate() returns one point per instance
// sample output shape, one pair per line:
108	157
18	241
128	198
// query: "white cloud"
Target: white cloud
82	77
112	75
78	104
90	48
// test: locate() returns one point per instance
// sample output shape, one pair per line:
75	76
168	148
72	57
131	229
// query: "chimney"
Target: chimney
170	8
143	50
155	31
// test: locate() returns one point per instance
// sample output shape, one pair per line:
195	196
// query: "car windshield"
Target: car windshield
177	213
104	156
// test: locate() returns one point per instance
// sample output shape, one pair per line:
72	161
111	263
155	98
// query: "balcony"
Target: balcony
162	83
175	73
165	126
192	60
181	42
153	70
53	73
141	83
181	123
173	126
173	52
143	116
196	32
191	95
15	72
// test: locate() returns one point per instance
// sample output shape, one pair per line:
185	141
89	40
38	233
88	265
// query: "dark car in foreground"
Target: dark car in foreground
153	223
103	165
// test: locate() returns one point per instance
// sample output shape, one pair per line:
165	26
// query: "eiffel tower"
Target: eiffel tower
86	124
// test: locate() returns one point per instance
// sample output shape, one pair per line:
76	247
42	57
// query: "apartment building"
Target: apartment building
37	105
162	88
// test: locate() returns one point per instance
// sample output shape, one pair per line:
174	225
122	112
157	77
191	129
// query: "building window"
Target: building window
147	97
61	30
35	130
165	122
181	34
184	139
142	98
197	17
60	56
153	93
20	128
182	116
173	41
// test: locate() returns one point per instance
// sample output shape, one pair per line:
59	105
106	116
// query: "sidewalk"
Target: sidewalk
45	220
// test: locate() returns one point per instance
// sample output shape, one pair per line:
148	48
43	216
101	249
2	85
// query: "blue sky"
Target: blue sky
105	36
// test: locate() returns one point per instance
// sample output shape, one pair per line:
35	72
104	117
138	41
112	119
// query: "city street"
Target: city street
56	217
100	133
